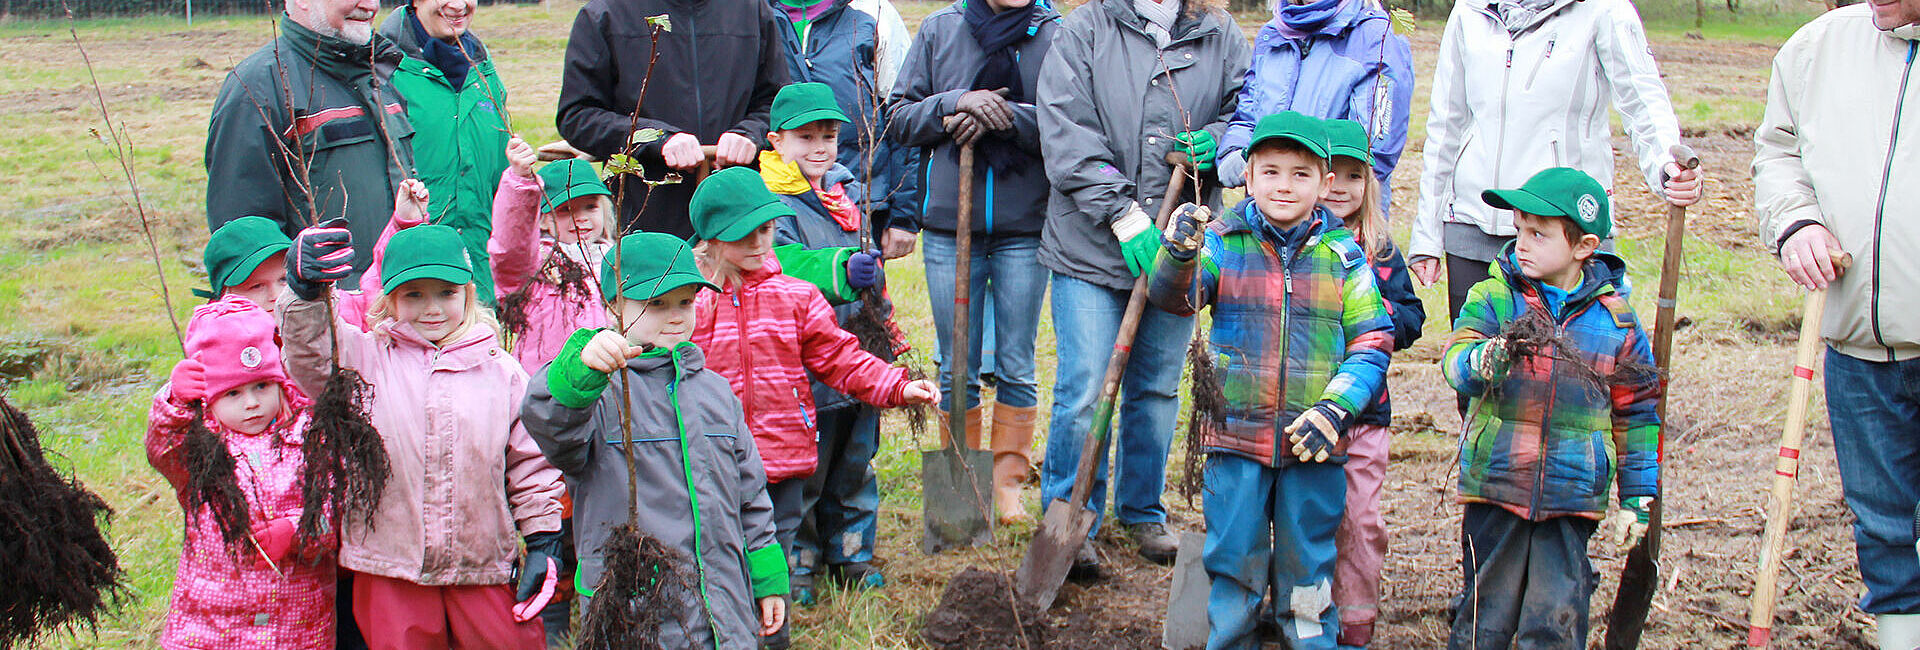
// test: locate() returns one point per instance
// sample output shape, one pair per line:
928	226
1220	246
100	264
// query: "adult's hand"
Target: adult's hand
1805	257
988	106
682	151
1683	185
734	150
963	128
897	243
1426	269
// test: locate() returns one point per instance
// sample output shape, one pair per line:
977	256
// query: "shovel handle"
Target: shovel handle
1122	348
960	353
1786	472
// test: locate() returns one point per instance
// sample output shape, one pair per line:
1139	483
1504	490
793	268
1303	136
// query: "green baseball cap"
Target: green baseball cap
425	252
1348	138
651	264
799	104
566	180
1309	131
239	247
1559	192
731	203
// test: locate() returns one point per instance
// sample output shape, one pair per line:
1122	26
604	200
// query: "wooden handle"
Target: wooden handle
1684	157
960	351
1786	472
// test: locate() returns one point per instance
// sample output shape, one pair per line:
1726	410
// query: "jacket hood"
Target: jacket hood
1604	273
1351	13
335	54
478	345
1189	25
689	359
396	29
1486	7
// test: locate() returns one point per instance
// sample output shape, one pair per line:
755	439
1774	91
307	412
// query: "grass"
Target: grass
76	276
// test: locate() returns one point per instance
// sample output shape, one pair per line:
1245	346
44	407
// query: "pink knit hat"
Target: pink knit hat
236	341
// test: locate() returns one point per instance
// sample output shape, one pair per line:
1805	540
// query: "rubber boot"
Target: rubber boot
1899	631
1012	442
976	418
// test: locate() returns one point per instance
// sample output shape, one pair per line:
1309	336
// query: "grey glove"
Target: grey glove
1230	167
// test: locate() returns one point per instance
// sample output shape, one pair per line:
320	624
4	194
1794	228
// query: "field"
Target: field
84	342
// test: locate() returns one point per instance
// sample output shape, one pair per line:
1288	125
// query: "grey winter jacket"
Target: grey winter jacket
940	68
688	432
1110	103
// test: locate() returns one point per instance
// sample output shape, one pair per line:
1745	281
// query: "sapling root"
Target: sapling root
347	465
569	277
1209	411
212	488
59	570
1534	335
644	582
871	324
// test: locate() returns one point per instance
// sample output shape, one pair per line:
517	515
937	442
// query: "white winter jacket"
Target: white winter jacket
1505	107
1839	145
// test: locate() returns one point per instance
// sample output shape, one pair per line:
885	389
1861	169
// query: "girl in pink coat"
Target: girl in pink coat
436	567
549	236
268	588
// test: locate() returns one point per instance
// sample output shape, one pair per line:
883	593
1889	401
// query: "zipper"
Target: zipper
1543	61
746	347
1286	304
1546	415
804	415
1880	210
1500	143
693	493
693	45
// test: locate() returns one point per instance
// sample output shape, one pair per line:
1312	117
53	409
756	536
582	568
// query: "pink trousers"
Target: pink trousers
1362	540
400	615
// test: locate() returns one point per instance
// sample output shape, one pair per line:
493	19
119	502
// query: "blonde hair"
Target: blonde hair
716	269
548	224
474	314
1367	223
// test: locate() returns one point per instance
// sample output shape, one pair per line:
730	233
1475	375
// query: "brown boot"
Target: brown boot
976	420
1012	441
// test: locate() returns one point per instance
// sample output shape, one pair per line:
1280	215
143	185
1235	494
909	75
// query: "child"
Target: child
842	498
765	332
549	232
1544	438
1354	197
1303	339
717	520
247	257
274	589
434	568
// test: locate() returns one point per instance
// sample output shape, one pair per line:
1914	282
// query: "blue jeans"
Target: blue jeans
1086	320
1272	529
1527	582
842	499
1010	268
1874	408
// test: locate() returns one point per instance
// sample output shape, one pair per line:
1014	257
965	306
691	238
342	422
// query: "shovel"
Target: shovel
1641	576
1065	526
955	479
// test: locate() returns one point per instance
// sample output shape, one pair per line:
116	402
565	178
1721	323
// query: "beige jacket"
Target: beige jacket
1840	146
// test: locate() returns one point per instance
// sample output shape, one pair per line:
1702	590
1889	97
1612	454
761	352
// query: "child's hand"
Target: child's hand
1489	361
188	382
1189	228
275	539
863	269
1631	521
410	204
608	352
520	157
321	254
773	614
920	391
1315	432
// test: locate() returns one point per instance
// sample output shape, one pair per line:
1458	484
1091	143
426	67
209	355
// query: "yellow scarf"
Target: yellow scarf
784	178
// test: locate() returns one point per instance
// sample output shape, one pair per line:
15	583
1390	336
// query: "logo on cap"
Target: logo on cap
1589	208
250	357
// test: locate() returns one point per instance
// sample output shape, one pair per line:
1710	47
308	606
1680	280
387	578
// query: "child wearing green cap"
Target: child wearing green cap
550	231
1552	424
1302	341
247	257
685	423
768	332
434	566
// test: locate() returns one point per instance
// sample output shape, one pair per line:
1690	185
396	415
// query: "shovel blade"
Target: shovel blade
1062	531
957	485
1186	624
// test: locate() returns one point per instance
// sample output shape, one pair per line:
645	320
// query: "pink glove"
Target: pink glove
276	539
188	382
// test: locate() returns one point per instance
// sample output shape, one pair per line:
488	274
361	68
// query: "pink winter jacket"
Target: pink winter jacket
764	335
517	252
221	600
467	481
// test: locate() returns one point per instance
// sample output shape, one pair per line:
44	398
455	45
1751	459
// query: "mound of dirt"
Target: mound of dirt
979	611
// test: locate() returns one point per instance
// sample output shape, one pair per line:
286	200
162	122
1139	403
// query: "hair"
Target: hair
382	310
1368	224
606	220
718	270
1288	145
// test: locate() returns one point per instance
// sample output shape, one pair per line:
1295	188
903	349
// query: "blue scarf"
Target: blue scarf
443	55
1000	36
1308	18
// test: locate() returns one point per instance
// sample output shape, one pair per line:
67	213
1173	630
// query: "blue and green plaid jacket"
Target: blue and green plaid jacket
1292	325
1543	441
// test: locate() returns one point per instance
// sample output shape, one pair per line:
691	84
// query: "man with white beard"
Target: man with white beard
294	137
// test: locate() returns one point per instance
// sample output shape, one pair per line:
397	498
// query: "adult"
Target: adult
1834	167
719	65
971	77
310	128
458	109
1520	86
1127	82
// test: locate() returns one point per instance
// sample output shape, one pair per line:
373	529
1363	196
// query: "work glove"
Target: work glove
276	539
534	570
1199	147
1230	167
321	255
1316	431
1138	241
1489	361
187	383
863	269
988	106
1188	230
1630	522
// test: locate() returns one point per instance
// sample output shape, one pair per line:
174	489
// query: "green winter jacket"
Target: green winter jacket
460	138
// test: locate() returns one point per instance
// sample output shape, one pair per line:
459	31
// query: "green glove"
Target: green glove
569	380
1139	240
1198	145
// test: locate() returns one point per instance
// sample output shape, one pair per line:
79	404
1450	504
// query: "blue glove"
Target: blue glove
863	269
321	255
533	571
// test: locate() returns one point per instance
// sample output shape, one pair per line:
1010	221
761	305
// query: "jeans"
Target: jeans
1527	582
1009	267
1874	408
1086	321
1271	529
841	501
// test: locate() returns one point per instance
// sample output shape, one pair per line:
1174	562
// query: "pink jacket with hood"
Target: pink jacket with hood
517	252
